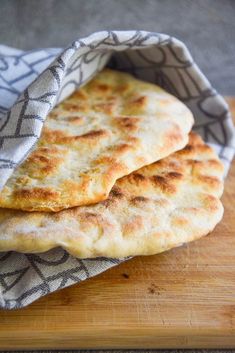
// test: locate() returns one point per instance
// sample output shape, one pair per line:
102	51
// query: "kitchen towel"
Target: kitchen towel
31	83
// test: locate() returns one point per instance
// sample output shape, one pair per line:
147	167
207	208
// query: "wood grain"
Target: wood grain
184	298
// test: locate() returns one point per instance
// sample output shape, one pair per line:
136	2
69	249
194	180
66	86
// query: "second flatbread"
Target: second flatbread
161	206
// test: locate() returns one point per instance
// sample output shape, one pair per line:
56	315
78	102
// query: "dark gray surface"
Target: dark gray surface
129	351
206	26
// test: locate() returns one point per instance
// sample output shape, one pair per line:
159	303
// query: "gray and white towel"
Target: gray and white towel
32	82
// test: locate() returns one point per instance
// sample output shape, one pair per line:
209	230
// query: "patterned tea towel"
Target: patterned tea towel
32	82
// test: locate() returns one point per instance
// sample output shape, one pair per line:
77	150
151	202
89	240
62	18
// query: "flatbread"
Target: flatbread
107	129
159	207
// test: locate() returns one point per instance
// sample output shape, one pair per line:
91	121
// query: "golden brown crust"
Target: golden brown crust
158	207
110	127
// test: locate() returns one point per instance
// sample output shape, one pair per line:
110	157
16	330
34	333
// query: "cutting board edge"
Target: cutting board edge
121	339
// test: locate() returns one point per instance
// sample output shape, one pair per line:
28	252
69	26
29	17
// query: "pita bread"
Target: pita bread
159	207
107	129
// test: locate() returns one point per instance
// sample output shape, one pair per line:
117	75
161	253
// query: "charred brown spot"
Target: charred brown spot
192	150
23	180
204	149
211	202
179	221
103	87
129	123
133	140
107	203
53	115
163	184
52	136
43	161
48	150
174	175
140	100
36	193
72	107
193	162
94	134
187	148
90	215
104	160
91	135
134	224
76	120
48	169
105	107
169	164
36	157
122	88
80	95
116	193
211	181
121	148
138	177
215	163
139	199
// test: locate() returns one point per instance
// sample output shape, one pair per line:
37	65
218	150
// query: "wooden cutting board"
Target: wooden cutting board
184	298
